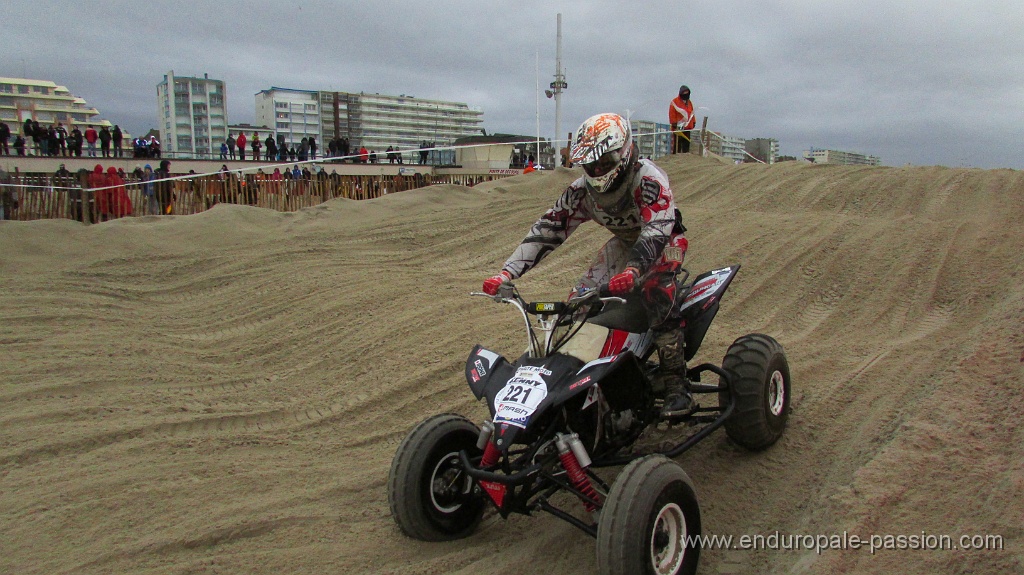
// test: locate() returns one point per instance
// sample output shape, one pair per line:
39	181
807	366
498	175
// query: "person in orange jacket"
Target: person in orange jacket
682	120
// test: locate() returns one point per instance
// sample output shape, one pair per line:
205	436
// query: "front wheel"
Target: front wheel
761	391
431	496
650	521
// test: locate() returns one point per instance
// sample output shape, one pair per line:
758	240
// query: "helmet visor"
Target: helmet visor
604	165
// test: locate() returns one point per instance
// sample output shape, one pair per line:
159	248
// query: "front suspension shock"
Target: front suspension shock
567	446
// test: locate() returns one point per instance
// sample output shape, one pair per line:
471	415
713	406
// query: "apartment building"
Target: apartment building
375	121
193	115
292	114
820	156
652	138
730	147
763	149
45	102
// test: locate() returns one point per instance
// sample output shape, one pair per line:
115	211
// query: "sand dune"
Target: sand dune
223	393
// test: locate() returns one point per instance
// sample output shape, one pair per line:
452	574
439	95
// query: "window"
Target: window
23	89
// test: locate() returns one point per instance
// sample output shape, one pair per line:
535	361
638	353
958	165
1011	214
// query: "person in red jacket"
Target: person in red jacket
100	197
682	120
90	138
119	204
240	142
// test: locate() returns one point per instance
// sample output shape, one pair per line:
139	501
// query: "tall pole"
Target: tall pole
537	73
559	84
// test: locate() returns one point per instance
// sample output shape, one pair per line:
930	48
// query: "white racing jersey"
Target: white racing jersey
644	218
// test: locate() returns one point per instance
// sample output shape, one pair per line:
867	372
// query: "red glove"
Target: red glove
492	283
622	284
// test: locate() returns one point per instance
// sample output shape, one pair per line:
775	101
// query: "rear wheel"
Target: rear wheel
431	496
649	521
761	391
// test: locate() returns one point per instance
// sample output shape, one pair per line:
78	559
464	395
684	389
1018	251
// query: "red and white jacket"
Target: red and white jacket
645	216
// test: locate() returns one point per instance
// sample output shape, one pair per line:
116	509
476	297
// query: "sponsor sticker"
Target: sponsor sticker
490	356
496	491
583	381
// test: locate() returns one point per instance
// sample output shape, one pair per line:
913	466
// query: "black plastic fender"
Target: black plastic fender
700	305
620	377
487	372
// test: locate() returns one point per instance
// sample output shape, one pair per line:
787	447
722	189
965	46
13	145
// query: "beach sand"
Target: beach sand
224	392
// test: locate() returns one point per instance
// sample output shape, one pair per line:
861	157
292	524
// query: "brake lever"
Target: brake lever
505	293
583	297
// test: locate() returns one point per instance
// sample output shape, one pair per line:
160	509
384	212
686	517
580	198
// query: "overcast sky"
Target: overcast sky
913	81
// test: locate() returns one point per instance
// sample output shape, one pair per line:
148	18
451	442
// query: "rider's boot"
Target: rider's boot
678	401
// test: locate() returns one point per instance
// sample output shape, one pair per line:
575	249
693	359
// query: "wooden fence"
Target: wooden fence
49	197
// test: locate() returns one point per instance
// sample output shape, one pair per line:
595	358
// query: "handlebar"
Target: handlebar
507	292
550	315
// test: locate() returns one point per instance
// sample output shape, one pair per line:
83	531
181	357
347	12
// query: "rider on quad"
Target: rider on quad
631	198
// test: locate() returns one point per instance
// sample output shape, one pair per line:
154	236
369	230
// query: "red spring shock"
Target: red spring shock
578	478
491	454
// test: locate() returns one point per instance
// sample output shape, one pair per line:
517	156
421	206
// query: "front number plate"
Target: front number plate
517	401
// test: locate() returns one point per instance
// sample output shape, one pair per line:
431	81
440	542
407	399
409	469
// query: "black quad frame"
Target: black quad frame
524	499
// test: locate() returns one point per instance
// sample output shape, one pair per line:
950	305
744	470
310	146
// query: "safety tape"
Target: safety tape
253	169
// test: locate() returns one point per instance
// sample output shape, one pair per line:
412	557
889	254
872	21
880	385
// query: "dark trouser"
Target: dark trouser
681	143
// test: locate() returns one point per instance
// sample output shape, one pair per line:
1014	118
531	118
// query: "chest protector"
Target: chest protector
617	209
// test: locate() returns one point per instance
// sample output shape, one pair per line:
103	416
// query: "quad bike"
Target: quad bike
582	398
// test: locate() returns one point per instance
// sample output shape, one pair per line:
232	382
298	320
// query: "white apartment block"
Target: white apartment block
819	156
291	114
729	147
193	115
378	121
652	138
375	121
45	102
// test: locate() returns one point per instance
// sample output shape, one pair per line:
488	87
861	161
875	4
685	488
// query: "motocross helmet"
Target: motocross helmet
604	147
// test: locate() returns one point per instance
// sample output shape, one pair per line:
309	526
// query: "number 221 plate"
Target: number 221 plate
517	401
